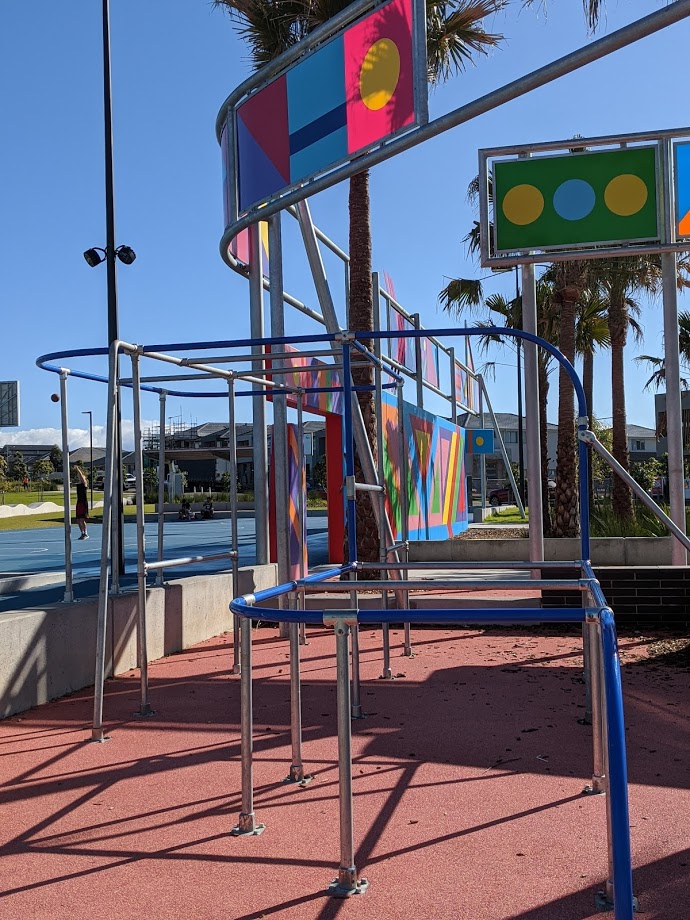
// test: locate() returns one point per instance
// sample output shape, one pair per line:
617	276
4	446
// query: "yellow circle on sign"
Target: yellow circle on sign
523	204
379	74
626	195
479	440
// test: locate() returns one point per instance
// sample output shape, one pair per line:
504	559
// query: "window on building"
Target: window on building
639	445
510	437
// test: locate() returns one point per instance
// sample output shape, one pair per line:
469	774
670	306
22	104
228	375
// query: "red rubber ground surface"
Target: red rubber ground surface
468	776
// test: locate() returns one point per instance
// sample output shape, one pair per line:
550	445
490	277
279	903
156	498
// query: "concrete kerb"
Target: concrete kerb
47	653
610	551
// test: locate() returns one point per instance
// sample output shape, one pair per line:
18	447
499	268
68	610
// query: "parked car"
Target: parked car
129	482
504	495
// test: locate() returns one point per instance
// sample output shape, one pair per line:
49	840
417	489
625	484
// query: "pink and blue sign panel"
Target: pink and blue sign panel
434	473
353	91
682	189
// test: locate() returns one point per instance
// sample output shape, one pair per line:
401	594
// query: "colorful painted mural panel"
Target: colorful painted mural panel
312	373
435	473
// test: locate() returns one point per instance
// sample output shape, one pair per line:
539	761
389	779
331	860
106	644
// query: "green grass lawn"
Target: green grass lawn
28	498
57	518
508	516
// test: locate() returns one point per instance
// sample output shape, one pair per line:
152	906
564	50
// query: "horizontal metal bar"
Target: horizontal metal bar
368	487
519	257
471	565
389	549
600	140
461	585
296	369
187	560
494	615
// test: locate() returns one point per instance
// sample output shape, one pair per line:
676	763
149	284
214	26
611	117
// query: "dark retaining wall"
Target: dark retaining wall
639	596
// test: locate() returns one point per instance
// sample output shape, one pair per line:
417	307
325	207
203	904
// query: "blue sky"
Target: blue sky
173	65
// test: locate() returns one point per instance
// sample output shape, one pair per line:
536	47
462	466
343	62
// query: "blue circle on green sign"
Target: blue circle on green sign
574	199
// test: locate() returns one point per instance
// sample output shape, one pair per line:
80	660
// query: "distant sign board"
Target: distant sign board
576	200
9	403
682	164
357	89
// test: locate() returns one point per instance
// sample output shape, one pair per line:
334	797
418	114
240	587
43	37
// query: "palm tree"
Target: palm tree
591	332
457	296
454	34
617	280
658	378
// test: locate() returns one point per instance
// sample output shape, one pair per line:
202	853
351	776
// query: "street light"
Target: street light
96	255
90	415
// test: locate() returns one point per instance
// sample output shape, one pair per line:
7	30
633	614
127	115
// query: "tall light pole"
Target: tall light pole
97	255
90	415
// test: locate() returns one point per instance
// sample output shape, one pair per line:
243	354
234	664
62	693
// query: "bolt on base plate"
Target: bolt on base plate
387	675
144	713
246	827
298	776
596	787
339	890
98	736
603	903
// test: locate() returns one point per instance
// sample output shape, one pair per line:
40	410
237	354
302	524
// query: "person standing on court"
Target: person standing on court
82	509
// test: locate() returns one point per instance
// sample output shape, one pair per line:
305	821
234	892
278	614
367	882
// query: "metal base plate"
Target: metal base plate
303	780
591	789
602	902
336	890
257	830
97	737
144	713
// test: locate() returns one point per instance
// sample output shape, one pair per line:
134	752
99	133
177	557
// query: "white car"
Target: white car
129	482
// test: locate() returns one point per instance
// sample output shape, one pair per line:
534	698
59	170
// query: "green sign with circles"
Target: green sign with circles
576	200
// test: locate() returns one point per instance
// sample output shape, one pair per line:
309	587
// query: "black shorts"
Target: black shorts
82	510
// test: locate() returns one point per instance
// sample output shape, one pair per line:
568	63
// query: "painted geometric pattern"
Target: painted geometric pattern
402	350
435	473
578	199
430	368
297	482
310	372
351	92
683	189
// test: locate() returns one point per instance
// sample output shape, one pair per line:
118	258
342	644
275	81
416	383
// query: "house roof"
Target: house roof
639	431
506	421
83	455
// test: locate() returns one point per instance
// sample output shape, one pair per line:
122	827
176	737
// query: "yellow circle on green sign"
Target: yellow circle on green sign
523	204
626	194
479	440
379	74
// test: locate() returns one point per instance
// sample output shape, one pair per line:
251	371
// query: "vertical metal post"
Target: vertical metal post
246	825
279	441
453	392
386	674
529	324
297	774
66	493
593	650
674	418
419	376
232	460
404	523
117	541
142	644
161	483
482	457
256	325
301	512
97	733
619	885
347	882
356	708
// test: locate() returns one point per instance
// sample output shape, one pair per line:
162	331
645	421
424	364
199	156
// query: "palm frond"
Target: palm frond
461	294
455	33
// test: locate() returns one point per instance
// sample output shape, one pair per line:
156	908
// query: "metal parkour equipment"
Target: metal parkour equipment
288	170
601	654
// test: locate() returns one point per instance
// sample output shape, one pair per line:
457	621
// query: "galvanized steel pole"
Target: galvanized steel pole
259	449
161	483
142	645
66	492
532	425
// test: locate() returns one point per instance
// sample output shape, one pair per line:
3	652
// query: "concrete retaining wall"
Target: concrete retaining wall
616	551
48	653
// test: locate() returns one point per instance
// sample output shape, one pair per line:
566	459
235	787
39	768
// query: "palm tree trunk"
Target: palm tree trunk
543	433
618	328
566	522
588	386
361	318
